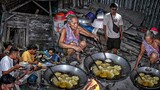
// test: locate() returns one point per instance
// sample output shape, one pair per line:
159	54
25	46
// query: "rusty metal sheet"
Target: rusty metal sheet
150	9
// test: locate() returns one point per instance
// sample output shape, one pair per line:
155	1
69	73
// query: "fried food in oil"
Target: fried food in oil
65	80
147	80
106	70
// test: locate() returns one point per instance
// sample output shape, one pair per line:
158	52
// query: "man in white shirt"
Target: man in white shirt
6	63
113	38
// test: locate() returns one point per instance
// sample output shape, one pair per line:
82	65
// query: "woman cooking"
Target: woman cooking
70	37
151	46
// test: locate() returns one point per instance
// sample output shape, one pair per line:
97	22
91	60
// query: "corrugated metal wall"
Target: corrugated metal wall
150	8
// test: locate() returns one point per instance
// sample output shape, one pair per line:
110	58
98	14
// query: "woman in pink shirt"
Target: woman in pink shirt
69	38
151	46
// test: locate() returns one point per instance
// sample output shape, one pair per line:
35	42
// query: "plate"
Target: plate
21	68
48	64
23	64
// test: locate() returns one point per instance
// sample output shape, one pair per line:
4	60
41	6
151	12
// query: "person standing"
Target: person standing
113	38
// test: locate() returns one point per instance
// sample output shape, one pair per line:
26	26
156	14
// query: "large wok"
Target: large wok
48	74
153	71
126	68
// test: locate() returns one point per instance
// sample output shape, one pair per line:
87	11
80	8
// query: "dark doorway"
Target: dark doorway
17	35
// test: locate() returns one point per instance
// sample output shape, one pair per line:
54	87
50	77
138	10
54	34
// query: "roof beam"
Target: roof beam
50	9
10	17
20	5
40	6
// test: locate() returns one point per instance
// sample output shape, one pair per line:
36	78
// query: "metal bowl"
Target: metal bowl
126	68
152	71
84	21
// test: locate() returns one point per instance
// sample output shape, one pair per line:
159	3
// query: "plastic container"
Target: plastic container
98	23
58	25
84	21
91	16
100	15
88	28
100	10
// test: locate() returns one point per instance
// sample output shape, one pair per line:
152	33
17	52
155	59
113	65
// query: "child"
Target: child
53	57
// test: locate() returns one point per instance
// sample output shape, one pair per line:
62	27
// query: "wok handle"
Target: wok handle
138	74
92	59
89	74
99	45
101	49
53	73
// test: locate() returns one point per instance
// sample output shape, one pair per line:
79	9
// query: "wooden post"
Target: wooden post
4	7
51	19
27	32
3	27
8	34
1	31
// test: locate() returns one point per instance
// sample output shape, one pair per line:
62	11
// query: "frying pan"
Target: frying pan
153	71
64	68
126	68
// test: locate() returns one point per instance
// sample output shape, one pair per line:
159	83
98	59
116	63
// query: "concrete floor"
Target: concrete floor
120	85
